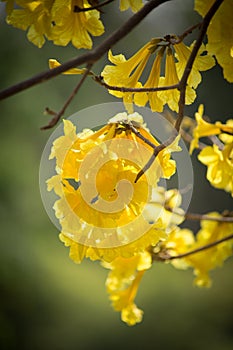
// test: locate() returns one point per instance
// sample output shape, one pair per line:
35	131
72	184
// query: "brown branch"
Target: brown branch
95	7
89	57
99	80
189	65
58	115
199	217
200	249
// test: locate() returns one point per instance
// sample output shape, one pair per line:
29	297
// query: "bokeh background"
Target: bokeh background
48	302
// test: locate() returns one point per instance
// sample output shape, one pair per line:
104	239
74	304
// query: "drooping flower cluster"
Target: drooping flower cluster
182	241
60	21
218	157
127	73
104	214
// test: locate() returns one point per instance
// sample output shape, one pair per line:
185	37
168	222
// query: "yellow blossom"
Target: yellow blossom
100	206
183	241
75	27
134	4
207	260
204	129
220	43
201	63
54	64
220	166
127	73
123	282
56	20
171	97
34	16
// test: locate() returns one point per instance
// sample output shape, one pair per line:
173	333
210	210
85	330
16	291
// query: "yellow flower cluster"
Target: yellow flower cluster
219	157
60	21
127	73
182	240
118	238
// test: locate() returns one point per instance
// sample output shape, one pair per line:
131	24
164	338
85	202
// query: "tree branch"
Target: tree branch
189	65
89	57
58	115
200	249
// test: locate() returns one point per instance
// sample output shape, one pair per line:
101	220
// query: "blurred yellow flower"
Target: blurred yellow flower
56	20
34	16
201	63
210	259
75	27
182	241
101	210
220	43
54	63
220	166
135	5
123	282
204	129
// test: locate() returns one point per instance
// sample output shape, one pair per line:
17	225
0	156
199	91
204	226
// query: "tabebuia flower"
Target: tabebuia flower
103	211
219	43
56	20
182	241
128	74
219	157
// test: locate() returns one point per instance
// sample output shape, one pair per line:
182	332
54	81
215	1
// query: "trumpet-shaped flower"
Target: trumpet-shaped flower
123	282
135	5
75	27
207	260
34	16
201	63
219	43
126	73
220	166
204	129
101	210
182	241
56	20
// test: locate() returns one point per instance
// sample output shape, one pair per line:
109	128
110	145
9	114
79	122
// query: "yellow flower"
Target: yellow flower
35	15
75	26
165	204
204	129
220	166
201	63
182	241
179	241
220	43
100	206
123	282
54	63
209	259
135	5
127	73
171	97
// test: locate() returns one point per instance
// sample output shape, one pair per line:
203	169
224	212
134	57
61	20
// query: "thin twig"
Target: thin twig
89	57
189	65
95	7
125	89
200	249
199	217
58	115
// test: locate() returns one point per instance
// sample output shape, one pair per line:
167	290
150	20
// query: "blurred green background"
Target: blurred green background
48	302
